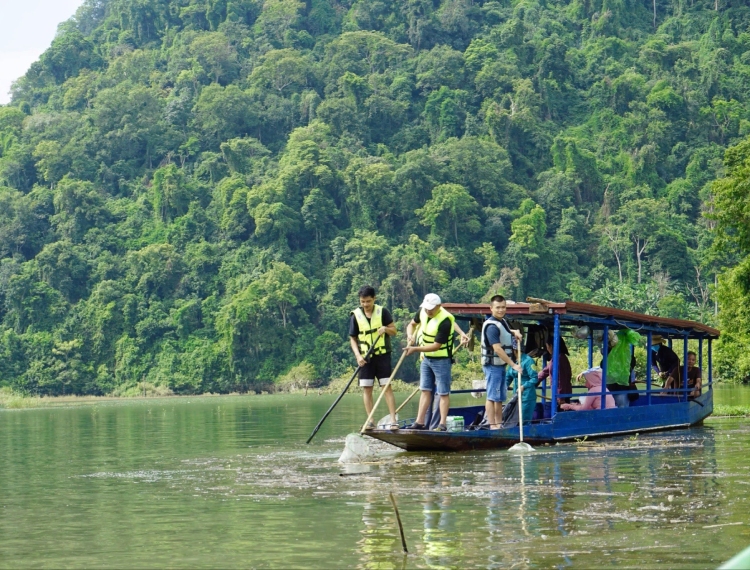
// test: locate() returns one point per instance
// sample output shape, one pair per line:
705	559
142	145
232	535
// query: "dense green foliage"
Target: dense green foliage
731	212
191	191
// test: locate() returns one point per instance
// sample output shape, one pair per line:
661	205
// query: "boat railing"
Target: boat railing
541	392
557	320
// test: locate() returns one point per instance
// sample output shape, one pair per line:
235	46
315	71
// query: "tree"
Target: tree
318	212
223	113
171	193
216	56
641	220
414	269
284	71
275	222
282	288
731	198
278	18
78	208
451	207
128	124
363	53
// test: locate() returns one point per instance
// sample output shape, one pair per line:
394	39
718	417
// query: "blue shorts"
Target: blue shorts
435	372
497	388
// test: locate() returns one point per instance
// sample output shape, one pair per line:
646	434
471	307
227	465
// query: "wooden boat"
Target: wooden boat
655	409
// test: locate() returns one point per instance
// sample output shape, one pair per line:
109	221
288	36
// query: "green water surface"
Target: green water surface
229	482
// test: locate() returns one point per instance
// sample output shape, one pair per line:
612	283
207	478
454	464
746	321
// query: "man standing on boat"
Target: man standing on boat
497	345
371	323
435	341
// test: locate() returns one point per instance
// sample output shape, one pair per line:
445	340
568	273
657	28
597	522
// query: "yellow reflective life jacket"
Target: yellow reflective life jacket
368	330
428	330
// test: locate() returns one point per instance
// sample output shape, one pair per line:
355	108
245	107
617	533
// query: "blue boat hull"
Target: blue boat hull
664	413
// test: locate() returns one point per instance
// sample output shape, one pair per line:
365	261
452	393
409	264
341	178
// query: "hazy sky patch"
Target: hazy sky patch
27	28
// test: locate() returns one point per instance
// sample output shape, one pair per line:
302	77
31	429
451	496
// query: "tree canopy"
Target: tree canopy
192	191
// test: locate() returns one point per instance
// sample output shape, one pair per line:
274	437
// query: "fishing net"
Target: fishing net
359	449
521	448
356	449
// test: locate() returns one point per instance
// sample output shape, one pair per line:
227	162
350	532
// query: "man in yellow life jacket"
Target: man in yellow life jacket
366	323
435	337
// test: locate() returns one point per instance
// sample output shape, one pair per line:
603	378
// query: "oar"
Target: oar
320	423
382	392
521	446
414	393
384	418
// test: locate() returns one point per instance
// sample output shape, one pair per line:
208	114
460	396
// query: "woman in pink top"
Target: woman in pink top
593	401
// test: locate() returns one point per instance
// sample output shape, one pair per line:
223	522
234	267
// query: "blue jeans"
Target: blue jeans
435	372
497	388
621	400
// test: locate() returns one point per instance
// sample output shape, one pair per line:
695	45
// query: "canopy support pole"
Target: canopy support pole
700	359
685	367
555	366
605	357
649	364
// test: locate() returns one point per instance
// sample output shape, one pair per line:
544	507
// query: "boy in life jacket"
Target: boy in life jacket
497	351
371	323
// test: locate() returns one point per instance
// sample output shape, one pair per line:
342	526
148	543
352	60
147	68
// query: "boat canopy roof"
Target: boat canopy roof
596	316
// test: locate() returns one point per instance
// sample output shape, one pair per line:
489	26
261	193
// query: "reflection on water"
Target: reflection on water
441	539
229	482
732	395
378	543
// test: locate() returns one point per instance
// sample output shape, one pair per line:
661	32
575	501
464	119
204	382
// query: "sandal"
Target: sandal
370	426
394	426
441	427
416	425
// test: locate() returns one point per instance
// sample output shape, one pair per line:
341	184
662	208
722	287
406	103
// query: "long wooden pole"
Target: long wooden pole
320	423
414	393
382	392
520	393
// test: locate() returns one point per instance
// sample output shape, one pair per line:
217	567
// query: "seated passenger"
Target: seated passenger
564	376
593	400
695	377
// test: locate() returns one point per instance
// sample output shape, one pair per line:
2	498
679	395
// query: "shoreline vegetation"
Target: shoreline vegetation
10	400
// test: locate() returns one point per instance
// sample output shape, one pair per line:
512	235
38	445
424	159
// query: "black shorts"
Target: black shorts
378	367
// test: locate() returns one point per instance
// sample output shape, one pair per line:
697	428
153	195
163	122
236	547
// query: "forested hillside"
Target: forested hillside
192	191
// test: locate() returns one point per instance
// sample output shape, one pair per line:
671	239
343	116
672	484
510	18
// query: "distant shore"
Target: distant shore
10	400
13	401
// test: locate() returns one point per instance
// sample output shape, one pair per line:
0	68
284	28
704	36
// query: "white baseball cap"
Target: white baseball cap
430	301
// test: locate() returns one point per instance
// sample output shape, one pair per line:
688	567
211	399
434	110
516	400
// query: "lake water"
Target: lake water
229	482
